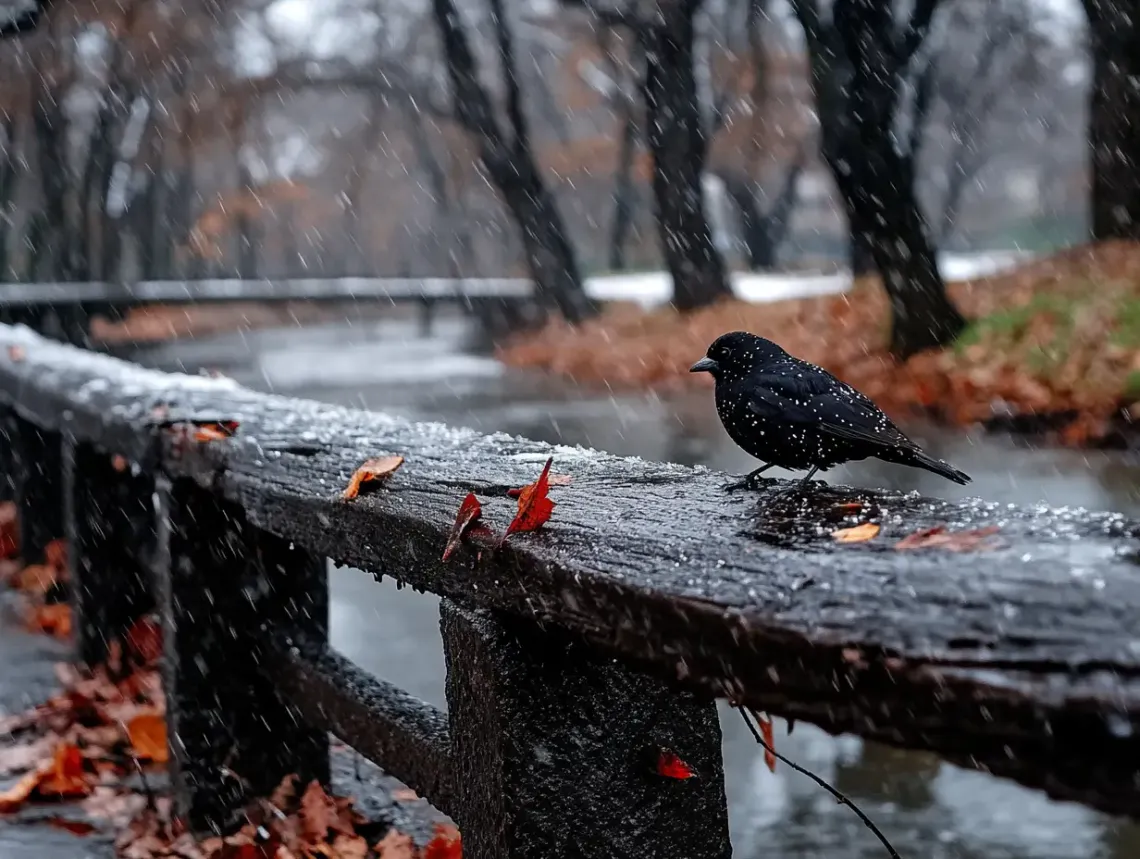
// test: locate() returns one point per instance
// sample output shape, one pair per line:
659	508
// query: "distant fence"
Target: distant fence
575	654
64	310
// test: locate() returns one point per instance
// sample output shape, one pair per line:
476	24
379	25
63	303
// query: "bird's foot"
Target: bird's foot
749	481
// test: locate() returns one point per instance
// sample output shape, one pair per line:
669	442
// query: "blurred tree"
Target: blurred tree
678	139
859	57
509	160
1114	118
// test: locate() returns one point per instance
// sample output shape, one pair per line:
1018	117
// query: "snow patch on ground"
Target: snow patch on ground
655	287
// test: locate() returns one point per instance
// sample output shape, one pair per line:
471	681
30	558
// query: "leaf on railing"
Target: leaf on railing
534	505
370	474
670	765
445	843
954	541
467	524
17	353
858	534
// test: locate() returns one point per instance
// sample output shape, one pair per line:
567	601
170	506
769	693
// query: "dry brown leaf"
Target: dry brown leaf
349	847
858	534
147	735
54	619
372	471
35	579
318	813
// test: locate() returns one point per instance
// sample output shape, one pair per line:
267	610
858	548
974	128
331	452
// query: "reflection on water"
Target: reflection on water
928	809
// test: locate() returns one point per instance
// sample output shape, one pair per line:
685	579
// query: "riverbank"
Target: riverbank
1053	346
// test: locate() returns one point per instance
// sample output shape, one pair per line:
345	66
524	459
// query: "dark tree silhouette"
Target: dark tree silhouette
678	141
858	62
1114	118
508	158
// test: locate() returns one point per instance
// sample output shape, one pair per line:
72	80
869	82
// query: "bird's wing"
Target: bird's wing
826	404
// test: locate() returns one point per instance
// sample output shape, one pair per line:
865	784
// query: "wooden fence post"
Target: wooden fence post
38	467
110	526
556	749
227	590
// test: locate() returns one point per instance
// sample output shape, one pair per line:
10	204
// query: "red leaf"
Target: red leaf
144	641
445	844
671	766
955	541
769	737
469	512
534	506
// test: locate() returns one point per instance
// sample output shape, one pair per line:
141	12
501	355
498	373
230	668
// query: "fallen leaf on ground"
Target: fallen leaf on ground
318	813
467	521
858	534
349	847
395	845
19	793
954	541
445	843
147	735
534	505
66	778
119	463
769	736
54	619
372	471
671	766
34	579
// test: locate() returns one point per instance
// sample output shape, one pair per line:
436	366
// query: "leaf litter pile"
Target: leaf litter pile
93	749
1056	339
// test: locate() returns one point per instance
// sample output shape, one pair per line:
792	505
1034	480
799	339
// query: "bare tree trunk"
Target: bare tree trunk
8	161
764	231
679	146
1114	118
510	163
625	191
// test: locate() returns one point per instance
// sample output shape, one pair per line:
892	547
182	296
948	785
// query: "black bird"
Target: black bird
795	415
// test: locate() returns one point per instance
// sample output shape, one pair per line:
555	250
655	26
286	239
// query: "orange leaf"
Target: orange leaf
36	579
858	534
769	737
372	470
534	507
119	463
147	735
953	541
465	520
671	766
54	619
445	844
75	827
394	845
850	505
318	813
66	778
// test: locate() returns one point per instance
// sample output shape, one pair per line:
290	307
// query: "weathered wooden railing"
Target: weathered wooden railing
573	653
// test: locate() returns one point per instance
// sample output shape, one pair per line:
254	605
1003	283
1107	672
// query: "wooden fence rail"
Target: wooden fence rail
575	653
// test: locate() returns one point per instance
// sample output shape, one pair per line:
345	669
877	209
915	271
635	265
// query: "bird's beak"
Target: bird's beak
705	365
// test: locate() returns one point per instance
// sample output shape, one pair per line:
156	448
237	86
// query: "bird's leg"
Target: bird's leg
797	487
808	477
748	482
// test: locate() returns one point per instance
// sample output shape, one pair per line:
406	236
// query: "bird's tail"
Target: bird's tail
923	460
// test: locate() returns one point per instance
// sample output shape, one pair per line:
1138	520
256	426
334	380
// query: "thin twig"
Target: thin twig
839	796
